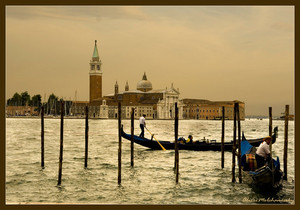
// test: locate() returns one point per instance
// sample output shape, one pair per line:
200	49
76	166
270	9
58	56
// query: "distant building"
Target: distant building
22	110
78	108
210	110
155	104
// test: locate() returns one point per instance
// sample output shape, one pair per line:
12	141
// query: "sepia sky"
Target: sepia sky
217	53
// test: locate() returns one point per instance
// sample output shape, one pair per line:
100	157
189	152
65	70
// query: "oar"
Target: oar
155	139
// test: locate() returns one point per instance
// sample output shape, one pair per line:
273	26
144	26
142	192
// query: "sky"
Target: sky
218	53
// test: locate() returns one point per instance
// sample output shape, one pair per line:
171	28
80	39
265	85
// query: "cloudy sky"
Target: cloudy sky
208	52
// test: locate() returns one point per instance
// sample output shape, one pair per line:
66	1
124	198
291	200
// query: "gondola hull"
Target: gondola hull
196	146
267	177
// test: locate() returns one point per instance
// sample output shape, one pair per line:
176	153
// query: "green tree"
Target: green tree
25	98
36	100
16	100
52	104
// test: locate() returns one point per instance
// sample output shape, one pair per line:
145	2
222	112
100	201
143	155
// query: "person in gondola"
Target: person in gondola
262	155
142	125
181	140
190	139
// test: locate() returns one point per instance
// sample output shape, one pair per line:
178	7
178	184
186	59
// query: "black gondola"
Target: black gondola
200	145
264	178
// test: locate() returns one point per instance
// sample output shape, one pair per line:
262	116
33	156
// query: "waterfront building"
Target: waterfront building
166	106
22	110
210	110
154	103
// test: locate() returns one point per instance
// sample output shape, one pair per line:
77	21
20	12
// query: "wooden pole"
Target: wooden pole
270	146
223	134
286	127
42	138
86	135
120	143
61	142
270	129
234	144
132	139
176	144
239	139
270	121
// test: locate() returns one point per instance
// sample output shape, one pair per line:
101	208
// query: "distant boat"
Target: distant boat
198	145
267	177
291	117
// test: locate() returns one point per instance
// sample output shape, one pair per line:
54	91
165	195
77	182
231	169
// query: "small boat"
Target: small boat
198	145
264	178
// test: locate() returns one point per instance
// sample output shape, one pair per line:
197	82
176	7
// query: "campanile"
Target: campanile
95	76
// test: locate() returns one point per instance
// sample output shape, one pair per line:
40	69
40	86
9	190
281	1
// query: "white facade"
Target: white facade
166	106
103	110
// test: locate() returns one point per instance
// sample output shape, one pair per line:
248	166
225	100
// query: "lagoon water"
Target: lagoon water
150	181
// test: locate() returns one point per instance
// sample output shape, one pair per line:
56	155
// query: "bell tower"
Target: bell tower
126	86
95	76
116	88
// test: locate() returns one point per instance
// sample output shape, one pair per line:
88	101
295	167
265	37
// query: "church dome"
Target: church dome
144	84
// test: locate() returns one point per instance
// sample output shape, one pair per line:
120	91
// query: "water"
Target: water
150	181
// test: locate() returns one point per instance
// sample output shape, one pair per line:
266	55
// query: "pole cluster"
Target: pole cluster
236	125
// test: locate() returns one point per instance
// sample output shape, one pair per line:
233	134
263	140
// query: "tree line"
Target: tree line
24	99
52	105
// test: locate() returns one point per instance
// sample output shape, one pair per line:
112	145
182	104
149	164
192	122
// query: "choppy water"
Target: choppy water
150	181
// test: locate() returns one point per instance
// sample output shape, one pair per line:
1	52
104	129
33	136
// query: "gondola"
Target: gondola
199	145
265	178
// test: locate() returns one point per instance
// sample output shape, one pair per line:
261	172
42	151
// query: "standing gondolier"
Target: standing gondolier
142	125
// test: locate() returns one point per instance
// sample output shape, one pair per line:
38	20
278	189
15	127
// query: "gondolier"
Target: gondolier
142	125
263	152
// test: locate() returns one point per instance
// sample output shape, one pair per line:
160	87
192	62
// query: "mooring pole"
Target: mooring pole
270	145
61	142
239	139
234	144
86	135
286	127
270	130
176	144
132	140
120	143
42	138
223	134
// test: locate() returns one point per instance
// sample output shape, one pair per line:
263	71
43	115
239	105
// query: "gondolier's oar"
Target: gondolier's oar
155	139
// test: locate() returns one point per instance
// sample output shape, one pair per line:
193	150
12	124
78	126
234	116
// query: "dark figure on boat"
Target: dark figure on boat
262	155
190	139
142	125
182	140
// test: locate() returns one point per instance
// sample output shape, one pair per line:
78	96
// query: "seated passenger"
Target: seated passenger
181	140
190	139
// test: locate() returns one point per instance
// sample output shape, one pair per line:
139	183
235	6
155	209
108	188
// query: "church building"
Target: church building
154	103
97	106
